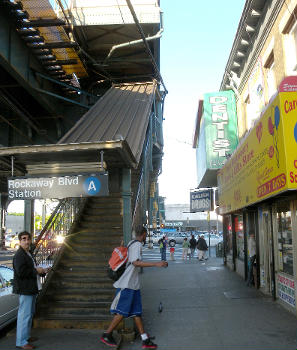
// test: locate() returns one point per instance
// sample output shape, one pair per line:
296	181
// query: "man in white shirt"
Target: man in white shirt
127	302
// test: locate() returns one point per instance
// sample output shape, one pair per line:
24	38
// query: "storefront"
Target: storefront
257	195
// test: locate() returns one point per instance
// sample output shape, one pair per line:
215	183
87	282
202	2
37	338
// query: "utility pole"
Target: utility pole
208	221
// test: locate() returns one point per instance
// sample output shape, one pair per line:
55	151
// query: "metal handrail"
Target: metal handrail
52	236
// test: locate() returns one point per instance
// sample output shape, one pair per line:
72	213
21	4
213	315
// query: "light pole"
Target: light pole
208	221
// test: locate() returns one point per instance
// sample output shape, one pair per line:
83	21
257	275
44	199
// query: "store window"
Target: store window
238	226
229	248
290	46
285	244
269	67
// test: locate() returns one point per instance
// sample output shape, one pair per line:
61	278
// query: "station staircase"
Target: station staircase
78	293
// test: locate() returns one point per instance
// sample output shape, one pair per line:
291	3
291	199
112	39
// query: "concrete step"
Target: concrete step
103	212
82	284
83	254
91	249
112	241
78	272
100	226
68	321
76	295
114	203
93	233
108	220
83	263
92	311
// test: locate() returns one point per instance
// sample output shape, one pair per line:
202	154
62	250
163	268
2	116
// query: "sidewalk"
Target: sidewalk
205	306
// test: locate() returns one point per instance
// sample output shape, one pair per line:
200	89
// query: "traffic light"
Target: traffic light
162	225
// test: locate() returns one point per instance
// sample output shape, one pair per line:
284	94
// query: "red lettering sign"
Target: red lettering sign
271	186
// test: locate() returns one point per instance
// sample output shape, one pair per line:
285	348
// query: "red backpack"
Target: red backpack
118	261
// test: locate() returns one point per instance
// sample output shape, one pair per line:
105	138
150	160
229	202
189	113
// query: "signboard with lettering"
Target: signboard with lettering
220	127
286	289
58	186
201	200
266	162
218	136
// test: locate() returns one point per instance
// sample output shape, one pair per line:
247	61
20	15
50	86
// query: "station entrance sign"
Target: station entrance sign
86	185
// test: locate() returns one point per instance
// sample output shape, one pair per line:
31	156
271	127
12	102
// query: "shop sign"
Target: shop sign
174	224
265	164
288	84
58	186
201	200
286	290
220	127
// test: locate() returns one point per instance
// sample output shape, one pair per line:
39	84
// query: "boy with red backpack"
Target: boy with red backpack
127	302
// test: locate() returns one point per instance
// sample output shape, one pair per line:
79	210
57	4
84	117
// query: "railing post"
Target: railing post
29	216
127	214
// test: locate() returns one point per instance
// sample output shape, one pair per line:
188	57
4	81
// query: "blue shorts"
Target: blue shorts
127	302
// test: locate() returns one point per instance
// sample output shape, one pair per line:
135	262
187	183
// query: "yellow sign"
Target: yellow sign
265	164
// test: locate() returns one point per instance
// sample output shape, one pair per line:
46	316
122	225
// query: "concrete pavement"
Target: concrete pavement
205	306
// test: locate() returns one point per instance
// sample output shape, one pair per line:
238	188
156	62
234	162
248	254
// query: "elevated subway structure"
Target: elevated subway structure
81	92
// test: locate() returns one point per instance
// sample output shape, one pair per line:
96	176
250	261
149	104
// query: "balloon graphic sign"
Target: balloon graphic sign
276	117
273	131
295	132
270	126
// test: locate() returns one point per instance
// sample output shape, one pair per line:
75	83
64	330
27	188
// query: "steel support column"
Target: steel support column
127	231
29	216
127	215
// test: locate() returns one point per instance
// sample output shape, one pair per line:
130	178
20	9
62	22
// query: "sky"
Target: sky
195	46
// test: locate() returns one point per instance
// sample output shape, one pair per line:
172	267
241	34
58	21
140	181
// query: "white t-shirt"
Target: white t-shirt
251	246
130	278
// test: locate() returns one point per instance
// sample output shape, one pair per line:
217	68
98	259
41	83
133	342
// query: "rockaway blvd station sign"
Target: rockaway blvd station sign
58	186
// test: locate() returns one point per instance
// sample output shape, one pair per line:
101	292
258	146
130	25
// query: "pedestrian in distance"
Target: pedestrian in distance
252	258
185	247
127	302
172	250
202	248
26	284
163	247
193	244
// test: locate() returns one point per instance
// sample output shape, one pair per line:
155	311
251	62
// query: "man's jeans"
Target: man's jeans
250	280
25	316
163	254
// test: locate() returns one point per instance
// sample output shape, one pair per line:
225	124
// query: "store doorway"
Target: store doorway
269	269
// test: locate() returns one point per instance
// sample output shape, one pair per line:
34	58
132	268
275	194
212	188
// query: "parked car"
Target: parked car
8	238
214	239
9	302
15	243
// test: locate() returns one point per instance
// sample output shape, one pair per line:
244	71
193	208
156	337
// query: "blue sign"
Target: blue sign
92	186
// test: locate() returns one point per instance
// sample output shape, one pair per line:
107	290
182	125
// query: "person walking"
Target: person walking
26	283
163	247
202	248
172	250
127	302
252	258
185	248
193	244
